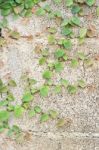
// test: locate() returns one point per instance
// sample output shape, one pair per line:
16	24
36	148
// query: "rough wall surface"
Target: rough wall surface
83	108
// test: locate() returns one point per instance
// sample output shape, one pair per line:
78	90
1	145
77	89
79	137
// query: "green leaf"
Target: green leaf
4	115
58	14
47	8
37	109
58	66
88	62
12	83
42	61
65	22
52	30
66	31
74	63
10	107
81	41
65	57
32	113
51	39
72	89
44	117
3	89
60	123
18	111
14	35
67	44
59	53
53	114
75	9
97	11
5	12
81	83
75	20
10	97
47	74
27	97
81	55
44	91
40	12
57	89
28	4
83	32
64	82
69	3
90	2
19	1
57	1
32	81
4	103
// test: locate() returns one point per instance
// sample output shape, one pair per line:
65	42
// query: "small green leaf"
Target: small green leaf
10	97
47	8
83	32
69	3
4	103
32	81
14	35
32	113
57	89
65	57
37	109
51	39
81	55
12	83
18	111
58	14
75	9
53	114
74	63
42	61
4	115
72	89
97	11
52	30
90	2
5	12
67	44
64	82
60	123
57	1
27	97
81	83
3	89
47	74
59	53
75	20
65	22
58	66
44	117
88	62
10	107
44	91
66	31
40	12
